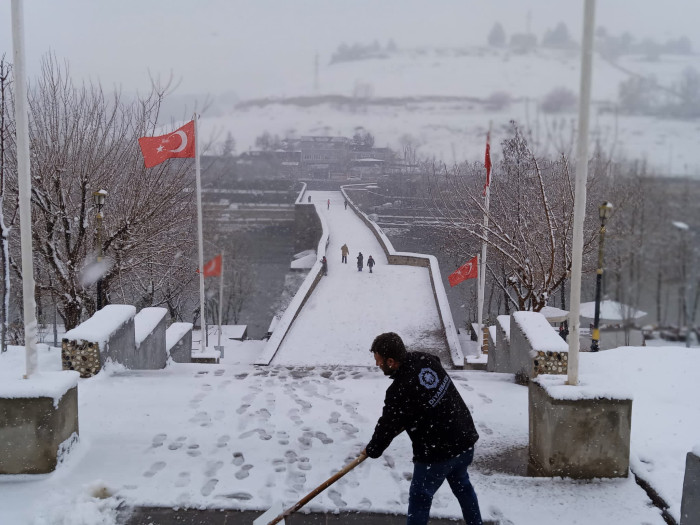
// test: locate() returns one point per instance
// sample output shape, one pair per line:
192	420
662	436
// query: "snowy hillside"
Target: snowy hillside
442	101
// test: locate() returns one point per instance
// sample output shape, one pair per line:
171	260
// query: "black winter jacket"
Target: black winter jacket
423	401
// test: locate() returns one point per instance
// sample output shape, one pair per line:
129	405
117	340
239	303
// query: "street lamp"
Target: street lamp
604	211
98	198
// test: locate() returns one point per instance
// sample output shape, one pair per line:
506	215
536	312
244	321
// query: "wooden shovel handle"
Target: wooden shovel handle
323	486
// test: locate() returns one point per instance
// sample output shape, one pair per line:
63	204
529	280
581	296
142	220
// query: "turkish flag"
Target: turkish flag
178	144
213	267
487	161
469	270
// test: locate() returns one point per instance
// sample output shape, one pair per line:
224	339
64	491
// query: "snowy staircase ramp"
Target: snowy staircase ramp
333	319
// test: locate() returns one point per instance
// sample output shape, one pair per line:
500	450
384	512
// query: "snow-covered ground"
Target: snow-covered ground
235	435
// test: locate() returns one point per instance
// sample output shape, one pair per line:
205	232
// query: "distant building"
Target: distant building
325	157
269	164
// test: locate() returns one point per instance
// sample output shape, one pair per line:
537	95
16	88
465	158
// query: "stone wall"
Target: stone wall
499	356
535	347
179	342
150	352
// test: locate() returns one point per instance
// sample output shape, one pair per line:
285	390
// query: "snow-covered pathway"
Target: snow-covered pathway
240	436
349	308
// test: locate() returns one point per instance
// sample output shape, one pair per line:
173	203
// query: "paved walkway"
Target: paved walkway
349	308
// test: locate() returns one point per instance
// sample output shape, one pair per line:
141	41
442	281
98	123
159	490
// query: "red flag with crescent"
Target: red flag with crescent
213	267
487	161
469	270
178	144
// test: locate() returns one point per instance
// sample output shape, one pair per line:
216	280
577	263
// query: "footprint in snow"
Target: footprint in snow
240	496
209	486
334	496
155	468
263	414
219	372
486	429
183	479
158	440
279	465
486	398
243	473
212	468
323	437
238	458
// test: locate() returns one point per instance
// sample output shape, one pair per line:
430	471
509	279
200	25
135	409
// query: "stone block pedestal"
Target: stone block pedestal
36	429
576	434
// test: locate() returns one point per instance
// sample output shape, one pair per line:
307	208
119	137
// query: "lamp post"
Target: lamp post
604	214
98	198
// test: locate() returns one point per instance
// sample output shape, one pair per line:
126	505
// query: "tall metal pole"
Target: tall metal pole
482	262
25	189
221	294
99	256
580	189
200	236
595	336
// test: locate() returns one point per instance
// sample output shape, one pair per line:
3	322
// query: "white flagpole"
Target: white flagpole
221	294
202	311
25	189
482	263
580	189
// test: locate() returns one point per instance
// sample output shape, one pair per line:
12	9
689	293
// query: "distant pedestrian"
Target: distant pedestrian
344	251
329	204
309	198
324	265
360	258
370	263
346	204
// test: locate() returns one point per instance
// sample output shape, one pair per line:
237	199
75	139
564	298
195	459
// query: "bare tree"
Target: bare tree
530	220
8	207
83	140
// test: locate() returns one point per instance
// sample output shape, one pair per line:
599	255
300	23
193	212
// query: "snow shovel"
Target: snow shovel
276	514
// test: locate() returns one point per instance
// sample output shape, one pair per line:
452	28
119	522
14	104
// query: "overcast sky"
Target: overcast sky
216	46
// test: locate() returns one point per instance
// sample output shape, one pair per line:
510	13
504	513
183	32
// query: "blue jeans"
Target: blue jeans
427	478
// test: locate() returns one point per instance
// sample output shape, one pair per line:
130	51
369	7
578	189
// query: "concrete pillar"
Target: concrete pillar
578	436
36	431
690	504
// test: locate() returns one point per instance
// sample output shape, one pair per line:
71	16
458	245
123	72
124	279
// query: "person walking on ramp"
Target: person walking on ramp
423	401
344	251
324	265
329	204
370	263
359	262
